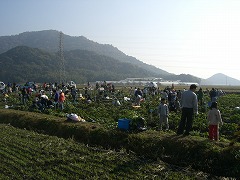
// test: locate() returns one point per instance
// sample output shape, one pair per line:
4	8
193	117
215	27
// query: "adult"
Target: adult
189	104
55	98
74	94
213	95
24	95
200	96
138	96
164	94
61	100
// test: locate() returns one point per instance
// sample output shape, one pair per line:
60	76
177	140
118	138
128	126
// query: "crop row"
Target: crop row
28	155
105	113
197	152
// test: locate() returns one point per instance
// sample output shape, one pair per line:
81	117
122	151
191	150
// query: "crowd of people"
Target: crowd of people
186	102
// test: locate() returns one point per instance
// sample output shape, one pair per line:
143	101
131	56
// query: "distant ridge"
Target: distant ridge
23	63
220	79
48	40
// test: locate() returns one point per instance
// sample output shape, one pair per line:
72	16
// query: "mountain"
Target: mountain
48	40
23	63
220	79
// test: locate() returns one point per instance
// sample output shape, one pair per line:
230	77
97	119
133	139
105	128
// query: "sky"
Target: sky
197	37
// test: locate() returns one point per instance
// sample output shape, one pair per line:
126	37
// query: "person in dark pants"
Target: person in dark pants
189	105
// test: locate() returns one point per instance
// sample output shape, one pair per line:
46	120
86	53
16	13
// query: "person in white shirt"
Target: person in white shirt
189	105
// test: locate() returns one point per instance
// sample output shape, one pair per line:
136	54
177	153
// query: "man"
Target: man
189	105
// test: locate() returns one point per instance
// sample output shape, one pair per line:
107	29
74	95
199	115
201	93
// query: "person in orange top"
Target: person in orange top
61	100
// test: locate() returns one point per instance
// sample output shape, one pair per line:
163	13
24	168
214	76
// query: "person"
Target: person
138	95
163	112
164	94
177	105
24	95
213	95
214	120
61	100
200	96
55	98
189	104
74	93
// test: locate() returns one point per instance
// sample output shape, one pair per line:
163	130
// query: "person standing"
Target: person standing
56	98
213	95
61	100
214	119
163	112
74	94
189	104
24	95
200	96
164	94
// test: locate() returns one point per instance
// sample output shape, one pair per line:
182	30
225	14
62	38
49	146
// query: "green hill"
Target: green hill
48	40
22	64
113	64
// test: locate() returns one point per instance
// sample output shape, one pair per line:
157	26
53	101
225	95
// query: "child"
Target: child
163	112
214	119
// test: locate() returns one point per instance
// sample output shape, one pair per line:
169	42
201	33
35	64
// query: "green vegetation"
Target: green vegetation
42	66
106	152
57	158
31	56
103	112
100	130
48	40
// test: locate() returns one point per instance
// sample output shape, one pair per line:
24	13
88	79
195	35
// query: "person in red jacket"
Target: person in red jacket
61	100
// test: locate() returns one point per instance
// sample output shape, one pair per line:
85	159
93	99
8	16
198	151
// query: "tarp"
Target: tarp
75	117
2	86
153	84
44	96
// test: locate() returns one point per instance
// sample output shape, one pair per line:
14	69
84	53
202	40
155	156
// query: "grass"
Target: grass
149	147
192	151
29	155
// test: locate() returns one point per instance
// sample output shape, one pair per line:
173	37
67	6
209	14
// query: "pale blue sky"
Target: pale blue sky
198	37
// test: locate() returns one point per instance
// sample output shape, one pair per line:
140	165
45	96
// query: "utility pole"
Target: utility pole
62	73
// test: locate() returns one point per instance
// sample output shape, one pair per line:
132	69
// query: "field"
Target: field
52	157
57	158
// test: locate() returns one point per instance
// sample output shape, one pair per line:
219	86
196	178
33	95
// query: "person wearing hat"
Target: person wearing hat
189	105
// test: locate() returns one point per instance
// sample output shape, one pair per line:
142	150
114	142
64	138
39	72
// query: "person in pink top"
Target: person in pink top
214	120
